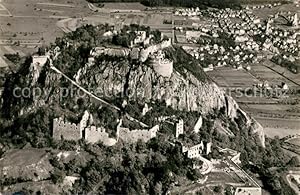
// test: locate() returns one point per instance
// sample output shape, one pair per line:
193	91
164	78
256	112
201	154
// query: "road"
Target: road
206	167
292	185
282	75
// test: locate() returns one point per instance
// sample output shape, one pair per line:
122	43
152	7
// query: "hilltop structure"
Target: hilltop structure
295	20
179	128
70	131
36	66
196	151
161	65
132	136
93	134
65	130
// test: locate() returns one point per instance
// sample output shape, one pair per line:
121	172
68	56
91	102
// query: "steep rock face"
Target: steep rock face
179	92
115	78
142	82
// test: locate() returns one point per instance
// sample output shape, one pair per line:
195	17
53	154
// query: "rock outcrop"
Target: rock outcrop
179	92
182	90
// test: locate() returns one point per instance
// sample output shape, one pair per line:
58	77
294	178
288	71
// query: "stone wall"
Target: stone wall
163	67
133	136
67	130
118	52
94	134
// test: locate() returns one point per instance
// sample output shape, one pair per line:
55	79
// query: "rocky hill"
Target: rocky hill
114	79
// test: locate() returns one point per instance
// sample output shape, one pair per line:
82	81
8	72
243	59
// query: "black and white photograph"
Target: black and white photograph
149	97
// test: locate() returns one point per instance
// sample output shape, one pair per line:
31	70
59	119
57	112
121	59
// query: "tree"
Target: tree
294	162
218	189
15	58
57	176
140	146
194	174
228	190
244	158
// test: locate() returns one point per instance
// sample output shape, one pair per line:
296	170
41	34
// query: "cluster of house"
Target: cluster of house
263	6
250	36
238	31
220	56
282	39
188	12
266	85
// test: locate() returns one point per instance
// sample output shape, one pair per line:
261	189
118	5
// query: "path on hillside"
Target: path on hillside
208	166
3	8
83	89
94	96
291	184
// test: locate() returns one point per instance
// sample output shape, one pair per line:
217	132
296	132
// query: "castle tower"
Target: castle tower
179	128
84	122
268	27
198	125
208	148
295	20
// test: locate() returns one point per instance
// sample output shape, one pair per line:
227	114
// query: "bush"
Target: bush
15	58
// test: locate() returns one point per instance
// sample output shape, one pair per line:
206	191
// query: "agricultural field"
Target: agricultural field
279	127
277	118
152	19
124	6
263	13
274	74
228	77
35	20
295	141
46	8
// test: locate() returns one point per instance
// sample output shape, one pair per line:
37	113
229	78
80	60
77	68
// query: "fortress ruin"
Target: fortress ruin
92	134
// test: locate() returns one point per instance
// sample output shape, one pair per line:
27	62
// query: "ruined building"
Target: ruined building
92	134
161	65
179	128
36	66
131	136
195	151
69	131
65	130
